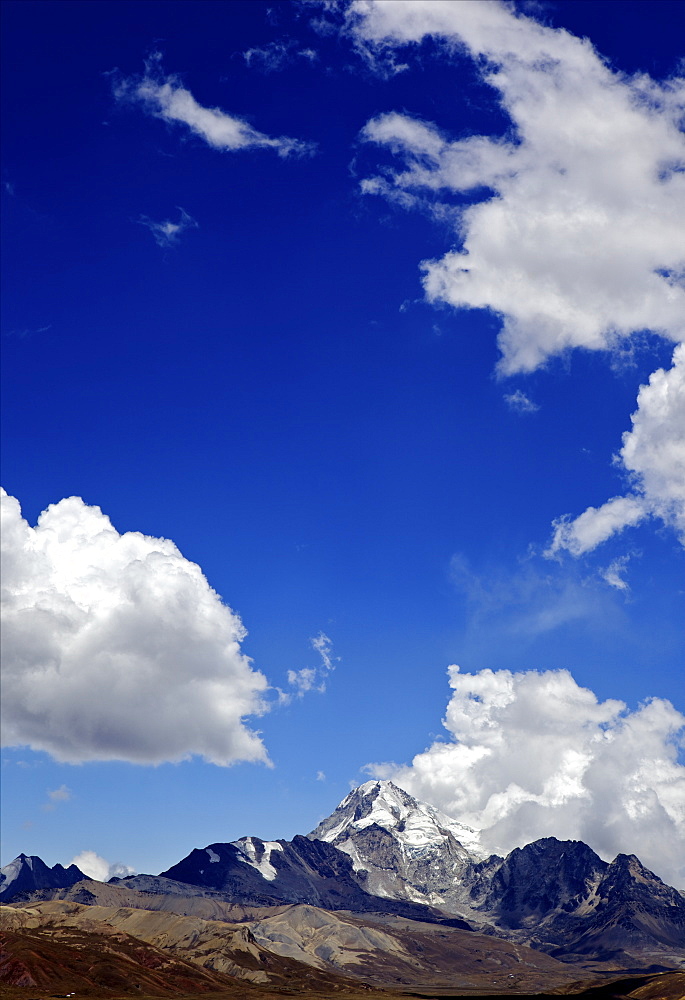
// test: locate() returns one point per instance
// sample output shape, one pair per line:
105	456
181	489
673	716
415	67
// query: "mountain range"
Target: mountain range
388	890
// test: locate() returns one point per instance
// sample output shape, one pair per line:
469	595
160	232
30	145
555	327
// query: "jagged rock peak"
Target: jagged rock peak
29	872
411	822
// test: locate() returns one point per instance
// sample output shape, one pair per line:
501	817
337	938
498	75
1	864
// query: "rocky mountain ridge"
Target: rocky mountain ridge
401	848
256	872
28	873
382	852
559	895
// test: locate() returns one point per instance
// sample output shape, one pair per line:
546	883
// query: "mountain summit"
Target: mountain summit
415	824
400	847
381	852
557	895
27	873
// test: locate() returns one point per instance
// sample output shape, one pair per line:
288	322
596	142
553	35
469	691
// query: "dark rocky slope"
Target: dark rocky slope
259	873
27	873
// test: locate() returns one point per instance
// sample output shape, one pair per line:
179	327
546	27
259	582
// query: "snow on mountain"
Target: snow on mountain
257	853
401	848
255	872
551	893
383	852
27	873
415	825
10	873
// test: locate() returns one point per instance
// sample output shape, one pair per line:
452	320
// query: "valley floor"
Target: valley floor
659	986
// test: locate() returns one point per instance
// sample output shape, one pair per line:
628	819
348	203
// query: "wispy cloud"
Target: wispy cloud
164	96
520	402
167	233
22	333
529	601
314	678
614	574
306	679
57	795
276	56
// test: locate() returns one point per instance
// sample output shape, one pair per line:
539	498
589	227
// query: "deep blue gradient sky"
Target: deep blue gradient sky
273	393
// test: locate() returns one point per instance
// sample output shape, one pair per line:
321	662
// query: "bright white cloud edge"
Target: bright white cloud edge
533	755
653	457
115	647
581	245
95	867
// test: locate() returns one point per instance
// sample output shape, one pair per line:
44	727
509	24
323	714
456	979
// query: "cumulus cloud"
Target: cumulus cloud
534	755
166	233
653	456
115	647
165	97
572	233
314	678
576	237
92	865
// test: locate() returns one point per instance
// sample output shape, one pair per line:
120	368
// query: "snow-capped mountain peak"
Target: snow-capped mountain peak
415	825
400	848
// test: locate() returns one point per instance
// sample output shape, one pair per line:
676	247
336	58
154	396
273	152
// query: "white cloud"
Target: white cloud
92	865
534	755
614	574
166	233
653	456
277	55
520	402
320	776
61	794
57	795
322	644
654	450
596	525
305	680
115	647
314	678
165	97
578	240
575	236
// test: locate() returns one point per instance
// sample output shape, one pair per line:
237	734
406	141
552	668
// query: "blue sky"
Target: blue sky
217	329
